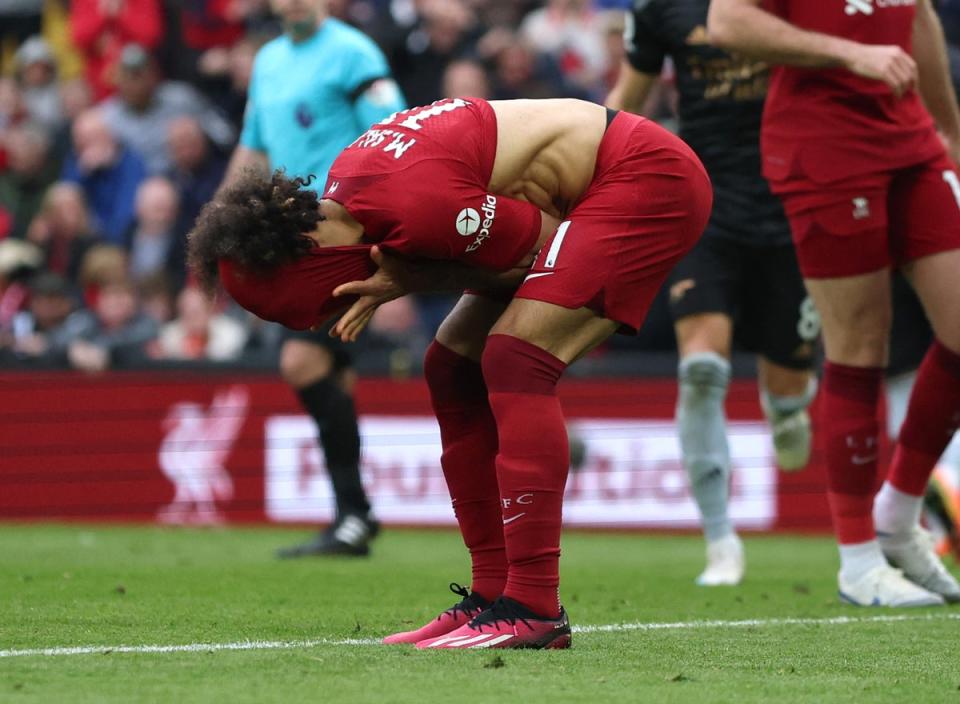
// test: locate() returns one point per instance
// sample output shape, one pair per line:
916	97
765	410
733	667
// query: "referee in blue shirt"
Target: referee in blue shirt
314	90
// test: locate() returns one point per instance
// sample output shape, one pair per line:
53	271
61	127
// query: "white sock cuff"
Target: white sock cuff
858	558
785	405
704	368
894	511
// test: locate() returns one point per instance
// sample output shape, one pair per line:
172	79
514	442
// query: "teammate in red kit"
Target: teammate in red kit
868	185
465	193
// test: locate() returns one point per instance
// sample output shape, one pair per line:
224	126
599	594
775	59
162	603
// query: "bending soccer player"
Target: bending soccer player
743	273
868	185
465	193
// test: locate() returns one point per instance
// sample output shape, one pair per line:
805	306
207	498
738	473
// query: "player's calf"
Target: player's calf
704	378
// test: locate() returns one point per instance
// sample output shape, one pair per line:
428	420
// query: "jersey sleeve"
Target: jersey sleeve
250	135
370	88
376	101
451	216
642	38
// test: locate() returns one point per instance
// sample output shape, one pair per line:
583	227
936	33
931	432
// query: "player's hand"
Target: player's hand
385	285
889	64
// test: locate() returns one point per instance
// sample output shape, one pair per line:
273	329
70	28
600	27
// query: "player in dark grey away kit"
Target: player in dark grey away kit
742	275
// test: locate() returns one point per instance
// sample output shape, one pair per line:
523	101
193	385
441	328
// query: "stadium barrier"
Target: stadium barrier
194	447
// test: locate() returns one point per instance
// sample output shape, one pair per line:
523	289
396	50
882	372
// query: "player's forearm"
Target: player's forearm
631	90
244	158
739	25
425	276
936	88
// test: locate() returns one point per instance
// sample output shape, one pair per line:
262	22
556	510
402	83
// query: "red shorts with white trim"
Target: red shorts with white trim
878	221
646	207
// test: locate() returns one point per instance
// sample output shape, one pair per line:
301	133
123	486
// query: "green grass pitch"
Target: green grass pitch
66	586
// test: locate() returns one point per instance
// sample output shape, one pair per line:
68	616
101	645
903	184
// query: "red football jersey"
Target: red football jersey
825	125
417	182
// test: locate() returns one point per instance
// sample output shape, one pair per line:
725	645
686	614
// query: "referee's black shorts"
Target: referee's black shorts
759	288
342	359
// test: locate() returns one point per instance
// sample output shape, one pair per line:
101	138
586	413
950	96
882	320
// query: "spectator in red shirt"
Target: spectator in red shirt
207	24
101	28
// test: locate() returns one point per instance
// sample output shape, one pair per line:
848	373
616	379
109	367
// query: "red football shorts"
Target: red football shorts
646	207
878	221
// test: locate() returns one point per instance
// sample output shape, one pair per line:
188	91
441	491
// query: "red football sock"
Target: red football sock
849	421
532	466
932	419
469	436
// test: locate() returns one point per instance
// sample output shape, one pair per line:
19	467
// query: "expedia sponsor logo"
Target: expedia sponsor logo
470	222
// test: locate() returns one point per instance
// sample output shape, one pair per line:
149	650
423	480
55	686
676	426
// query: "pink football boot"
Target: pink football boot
457	615
506	624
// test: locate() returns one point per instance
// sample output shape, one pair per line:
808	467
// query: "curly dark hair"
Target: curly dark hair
258	223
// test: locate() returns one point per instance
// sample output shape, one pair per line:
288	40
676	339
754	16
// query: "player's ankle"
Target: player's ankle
544	603
778	406
488	590
896	512
719	532
859	558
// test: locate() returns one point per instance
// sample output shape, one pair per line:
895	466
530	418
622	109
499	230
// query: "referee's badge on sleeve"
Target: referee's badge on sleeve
383	92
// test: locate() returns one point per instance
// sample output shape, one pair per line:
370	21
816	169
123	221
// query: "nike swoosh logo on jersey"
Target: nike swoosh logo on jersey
537	276
513	518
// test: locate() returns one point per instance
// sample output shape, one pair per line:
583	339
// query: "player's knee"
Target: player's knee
452	378
949	336
859	348
704	332
860	337
512	365
703	373
303	363
438	368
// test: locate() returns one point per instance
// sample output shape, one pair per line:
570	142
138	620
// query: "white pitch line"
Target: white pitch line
188	648
754	622
607	628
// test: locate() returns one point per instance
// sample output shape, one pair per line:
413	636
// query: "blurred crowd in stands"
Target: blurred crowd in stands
117	118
